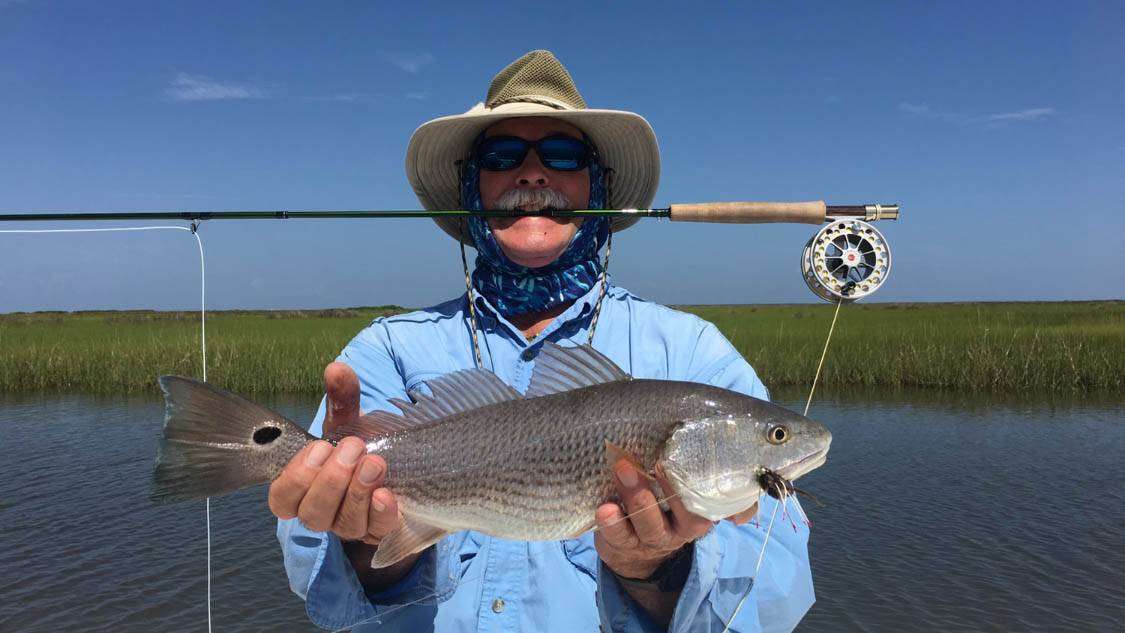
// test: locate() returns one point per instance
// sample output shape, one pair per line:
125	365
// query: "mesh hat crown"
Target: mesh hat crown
536	84
538	75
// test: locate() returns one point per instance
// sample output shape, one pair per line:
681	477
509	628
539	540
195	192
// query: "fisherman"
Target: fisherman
532	145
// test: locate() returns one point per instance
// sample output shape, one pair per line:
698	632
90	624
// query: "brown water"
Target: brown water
943	513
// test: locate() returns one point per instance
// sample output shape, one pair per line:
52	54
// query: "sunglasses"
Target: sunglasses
560	153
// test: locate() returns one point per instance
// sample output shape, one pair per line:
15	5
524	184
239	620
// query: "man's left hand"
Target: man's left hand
634	547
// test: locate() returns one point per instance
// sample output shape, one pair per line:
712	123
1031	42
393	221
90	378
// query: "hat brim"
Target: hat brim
625	141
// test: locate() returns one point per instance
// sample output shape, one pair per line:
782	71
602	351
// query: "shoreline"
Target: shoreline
1070	347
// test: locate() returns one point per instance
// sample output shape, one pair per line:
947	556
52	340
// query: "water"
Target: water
943	513
958	515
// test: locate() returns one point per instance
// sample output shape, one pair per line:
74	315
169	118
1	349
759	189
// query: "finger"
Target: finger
615	528
351	518
685	525
745	515
319	506
342	388
291	486
644	512
383	517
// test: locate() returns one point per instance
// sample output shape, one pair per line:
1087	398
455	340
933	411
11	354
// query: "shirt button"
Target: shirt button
528	355
498	605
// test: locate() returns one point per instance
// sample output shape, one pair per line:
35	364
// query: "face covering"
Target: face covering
515	289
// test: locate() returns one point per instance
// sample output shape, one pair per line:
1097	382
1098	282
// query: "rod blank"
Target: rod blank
815	212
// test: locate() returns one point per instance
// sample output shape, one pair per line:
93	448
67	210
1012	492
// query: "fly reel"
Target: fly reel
846	260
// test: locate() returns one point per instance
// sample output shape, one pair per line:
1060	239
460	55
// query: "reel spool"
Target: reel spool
846	261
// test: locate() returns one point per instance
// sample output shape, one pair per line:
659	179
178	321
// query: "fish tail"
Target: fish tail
215	442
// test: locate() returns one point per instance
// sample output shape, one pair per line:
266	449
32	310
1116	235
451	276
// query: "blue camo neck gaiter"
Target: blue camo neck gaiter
515	289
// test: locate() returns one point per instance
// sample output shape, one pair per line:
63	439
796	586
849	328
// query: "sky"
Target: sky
997	126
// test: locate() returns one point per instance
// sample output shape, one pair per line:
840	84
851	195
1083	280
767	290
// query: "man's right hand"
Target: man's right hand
338	489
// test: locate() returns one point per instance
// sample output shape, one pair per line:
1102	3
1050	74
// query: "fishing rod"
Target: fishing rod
726	212
846	260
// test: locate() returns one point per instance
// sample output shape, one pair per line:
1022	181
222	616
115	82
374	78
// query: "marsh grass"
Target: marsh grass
121	352
1068	347
998	347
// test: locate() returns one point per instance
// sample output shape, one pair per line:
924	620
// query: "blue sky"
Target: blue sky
998	126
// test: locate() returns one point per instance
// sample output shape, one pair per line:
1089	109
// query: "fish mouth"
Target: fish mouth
804	465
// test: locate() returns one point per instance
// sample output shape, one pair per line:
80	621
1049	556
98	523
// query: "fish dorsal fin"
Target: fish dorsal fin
561	369
469	389
452	393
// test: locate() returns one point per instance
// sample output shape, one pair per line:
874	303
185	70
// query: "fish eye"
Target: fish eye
778	434
266	434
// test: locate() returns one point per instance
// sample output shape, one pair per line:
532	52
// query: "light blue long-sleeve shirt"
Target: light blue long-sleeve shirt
473	582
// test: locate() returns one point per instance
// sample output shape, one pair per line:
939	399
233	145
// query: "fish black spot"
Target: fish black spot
266	434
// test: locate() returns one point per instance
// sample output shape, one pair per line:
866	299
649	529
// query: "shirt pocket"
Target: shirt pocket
467	547
416	380
580	552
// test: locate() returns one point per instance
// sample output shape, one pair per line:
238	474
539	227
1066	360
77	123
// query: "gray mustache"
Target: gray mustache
543	198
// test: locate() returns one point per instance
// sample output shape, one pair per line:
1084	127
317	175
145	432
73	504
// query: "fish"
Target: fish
475	454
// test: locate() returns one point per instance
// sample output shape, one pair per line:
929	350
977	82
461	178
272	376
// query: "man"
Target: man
533	144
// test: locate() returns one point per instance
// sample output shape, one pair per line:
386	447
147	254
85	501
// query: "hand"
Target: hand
635	547
337	489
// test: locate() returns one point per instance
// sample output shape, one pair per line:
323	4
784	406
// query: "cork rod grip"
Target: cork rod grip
750	212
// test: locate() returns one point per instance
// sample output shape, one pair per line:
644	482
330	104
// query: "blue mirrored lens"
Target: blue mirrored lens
564	154
502	153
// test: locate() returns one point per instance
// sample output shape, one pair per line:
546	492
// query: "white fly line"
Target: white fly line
784	497
202	334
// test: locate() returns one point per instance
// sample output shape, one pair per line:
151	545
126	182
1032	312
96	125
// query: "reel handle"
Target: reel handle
813	212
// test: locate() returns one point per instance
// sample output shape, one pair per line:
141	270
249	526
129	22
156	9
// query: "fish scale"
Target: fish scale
527	468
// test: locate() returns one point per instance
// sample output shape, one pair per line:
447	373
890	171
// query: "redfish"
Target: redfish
478	455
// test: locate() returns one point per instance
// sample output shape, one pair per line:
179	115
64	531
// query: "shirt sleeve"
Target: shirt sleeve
318	569
724	560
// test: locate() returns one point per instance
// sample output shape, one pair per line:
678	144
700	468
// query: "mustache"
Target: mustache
523	198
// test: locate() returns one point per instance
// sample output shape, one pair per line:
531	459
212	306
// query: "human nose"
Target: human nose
532	173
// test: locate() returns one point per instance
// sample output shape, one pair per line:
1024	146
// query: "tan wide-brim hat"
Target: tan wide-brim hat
534	85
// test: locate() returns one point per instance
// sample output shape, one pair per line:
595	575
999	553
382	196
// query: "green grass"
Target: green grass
996	347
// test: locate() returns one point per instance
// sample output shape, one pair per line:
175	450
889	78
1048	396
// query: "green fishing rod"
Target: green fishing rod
816	212
846	260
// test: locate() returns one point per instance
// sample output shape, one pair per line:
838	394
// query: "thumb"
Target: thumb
342	388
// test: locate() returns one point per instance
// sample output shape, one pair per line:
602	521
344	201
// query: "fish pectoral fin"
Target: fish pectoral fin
614	454
414	536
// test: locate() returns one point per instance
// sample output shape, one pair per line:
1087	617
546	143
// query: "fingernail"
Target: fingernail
627	476
377	505
349	453
319	454
369	472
